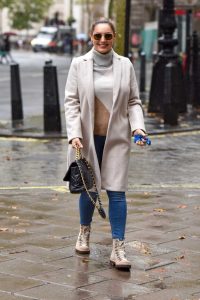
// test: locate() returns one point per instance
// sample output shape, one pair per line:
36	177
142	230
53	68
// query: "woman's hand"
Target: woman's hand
76	143
140	132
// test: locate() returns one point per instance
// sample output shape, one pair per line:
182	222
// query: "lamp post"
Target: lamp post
167	93
127	27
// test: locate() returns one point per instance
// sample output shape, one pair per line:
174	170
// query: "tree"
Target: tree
25	12
118	8
89	7
5	3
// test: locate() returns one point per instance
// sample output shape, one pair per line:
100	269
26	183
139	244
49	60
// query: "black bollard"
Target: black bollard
170	104
160	70
52	120
16	96
142	72
187	74
187	71
195	71
127	27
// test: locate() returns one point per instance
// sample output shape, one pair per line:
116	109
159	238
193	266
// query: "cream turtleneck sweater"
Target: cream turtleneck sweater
103	89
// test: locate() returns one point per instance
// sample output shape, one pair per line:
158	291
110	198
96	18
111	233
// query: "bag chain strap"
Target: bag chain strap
79	156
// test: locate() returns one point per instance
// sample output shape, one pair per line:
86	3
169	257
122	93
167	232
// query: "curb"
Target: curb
51	136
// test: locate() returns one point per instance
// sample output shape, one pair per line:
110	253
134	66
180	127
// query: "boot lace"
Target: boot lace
83	237
120	250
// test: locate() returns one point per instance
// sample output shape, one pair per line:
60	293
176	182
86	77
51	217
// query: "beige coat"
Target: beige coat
126	116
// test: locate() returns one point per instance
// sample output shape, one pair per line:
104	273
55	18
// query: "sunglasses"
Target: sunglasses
107	36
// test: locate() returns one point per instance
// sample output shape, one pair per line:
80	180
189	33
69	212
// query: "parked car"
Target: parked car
52	39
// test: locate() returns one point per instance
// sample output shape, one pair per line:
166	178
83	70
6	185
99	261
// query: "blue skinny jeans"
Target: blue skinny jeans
117	202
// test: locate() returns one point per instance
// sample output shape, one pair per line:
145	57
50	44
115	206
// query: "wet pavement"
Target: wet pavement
39	225
39	219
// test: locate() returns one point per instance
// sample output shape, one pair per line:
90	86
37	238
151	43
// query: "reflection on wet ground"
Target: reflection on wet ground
39	224
170	160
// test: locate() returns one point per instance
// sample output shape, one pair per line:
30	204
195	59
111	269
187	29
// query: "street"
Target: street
39	225
39	219
31	75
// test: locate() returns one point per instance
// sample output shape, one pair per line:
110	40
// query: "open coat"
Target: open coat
126	116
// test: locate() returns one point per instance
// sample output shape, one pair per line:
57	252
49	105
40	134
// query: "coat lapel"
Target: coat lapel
89	84
117	70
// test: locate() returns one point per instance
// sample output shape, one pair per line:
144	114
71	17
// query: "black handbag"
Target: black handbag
73	176
81	178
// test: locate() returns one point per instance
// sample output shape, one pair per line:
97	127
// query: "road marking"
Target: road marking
185	186
46	139
23	139
57	188
176	134
131	187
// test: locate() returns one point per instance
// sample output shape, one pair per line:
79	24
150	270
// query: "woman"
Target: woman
103	110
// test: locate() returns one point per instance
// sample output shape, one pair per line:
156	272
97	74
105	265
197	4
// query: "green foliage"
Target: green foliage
25	12
71	20
5	3
119	11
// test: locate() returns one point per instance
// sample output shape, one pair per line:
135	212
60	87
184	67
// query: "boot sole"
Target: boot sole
82	252
121	267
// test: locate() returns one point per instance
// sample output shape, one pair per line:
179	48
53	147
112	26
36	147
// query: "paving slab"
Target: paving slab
134	276
168	294
11	296
116	288
24	268
73	279
10	283
39	224
51	292
37	254
80	263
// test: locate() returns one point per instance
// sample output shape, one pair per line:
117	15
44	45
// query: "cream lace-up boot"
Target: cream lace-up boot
118	255
82	244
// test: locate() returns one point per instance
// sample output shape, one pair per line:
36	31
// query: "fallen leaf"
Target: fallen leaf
23	224
54	199
159	270
159	209
141	247
182	237
8	157
15	252
197	207
85	260
180	257
3	229
19	230
182	206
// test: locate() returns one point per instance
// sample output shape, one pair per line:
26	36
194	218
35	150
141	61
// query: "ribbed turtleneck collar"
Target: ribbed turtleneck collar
104	60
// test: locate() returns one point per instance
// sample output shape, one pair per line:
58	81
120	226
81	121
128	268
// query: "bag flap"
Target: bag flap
68	173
